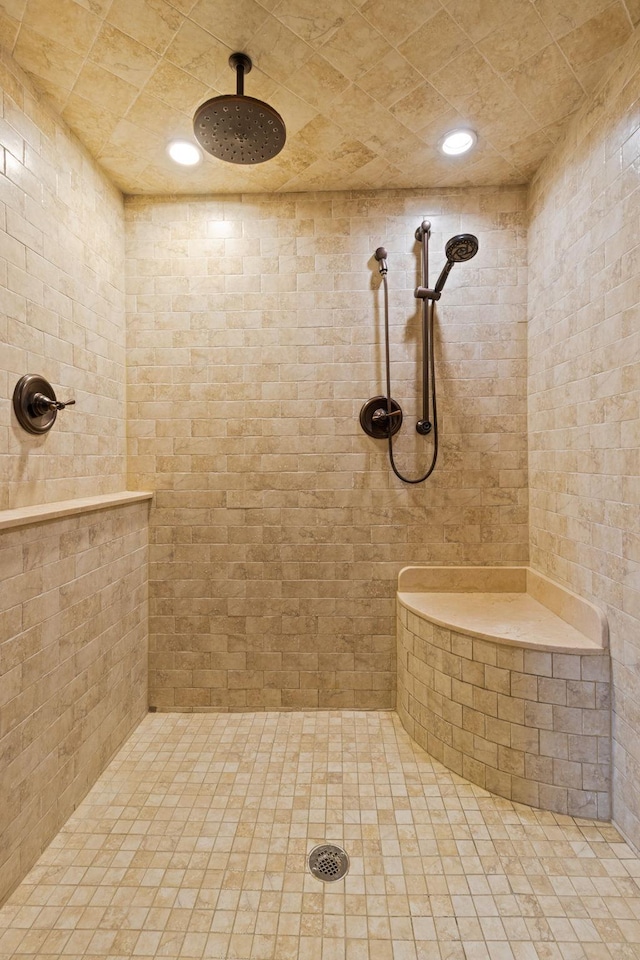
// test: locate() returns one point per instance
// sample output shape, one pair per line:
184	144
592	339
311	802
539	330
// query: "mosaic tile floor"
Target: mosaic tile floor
193	844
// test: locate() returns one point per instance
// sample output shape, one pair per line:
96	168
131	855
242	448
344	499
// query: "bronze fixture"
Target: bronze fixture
375	420
381	417
35	403
237	128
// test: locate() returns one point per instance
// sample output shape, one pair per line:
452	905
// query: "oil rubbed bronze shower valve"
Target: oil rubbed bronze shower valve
377	420
35	403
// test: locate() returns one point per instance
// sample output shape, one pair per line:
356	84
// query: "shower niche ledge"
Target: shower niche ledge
504	677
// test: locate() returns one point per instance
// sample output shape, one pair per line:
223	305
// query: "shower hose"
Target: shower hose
429	358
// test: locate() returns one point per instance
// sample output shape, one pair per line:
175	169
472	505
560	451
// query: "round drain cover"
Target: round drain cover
328	862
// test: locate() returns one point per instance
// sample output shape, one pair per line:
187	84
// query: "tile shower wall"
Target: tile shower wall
61	276
528	725
73	604
73	668
584	387
255	335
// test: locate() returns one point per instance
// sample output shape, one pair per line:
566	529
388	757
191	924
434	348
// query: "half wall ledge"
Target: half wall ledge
504	677
41	512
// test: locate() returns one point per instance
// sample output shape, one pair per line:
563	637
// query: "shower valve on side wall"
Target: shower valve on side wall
35	403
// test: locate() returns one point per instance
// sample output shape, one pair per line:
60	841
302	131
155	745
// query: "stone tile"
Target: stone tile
81	684
569	372
194	841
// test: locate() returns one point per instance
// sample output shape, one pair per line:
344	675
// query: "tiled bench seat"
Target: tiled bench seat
504	676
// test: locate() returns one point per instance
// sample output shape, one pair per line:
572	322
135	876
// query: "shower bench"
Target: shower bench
504	677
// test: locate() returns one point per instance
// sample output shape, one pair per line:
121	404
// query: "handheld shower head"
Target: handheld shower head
462	247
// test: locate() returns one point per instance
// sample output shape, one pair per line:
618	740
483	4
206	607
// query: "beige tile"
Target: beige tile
397	20
558	200
56	66
316	25
599	37
527	152
562	18
104	88
562	92
154	24
15	8
272	37
467	74
471	47
122	55
194	51
323	82
175	87
633	9
434	44
149	113
68	24
77	642
480	19
232	24
418	843
355	46
102	123
422	102
390	79
9	27
508	44
506	719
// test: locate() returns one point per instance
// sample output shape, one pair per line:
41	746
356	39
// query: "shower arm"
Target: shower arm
241	63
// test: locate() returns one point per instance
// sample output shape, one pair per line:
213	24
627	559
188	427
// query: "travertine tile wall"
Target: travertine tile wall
61	276
529	725
255	335
73	605
73	667
584	387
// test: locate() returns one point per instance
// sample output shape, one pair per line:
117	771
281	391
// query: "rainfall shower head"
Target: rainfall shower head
462	247
237	128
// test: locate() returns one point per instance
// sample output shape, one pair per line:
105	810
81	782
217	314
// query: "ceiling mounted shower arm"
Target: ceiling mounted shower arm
241	63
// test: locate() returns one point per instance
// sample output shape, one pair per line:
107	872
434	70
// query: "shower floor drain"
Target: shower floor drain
328	862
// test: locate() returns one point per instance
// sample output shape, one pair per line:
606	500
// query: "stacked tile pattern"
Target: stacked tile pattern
531	726
73	609
194	844
73	667
255	335
584	388
61	274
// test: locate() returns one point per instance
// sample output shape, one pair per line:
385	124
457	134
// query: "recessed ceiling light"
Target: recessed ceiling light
458	141
184	152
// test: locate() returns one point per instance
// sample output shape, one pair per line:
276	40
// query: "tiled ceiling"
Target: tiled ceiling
366	87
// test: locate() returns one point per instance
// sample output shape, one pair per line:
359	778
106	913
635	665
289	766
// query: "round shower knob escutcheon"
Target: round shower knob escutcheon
377	421
35	403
